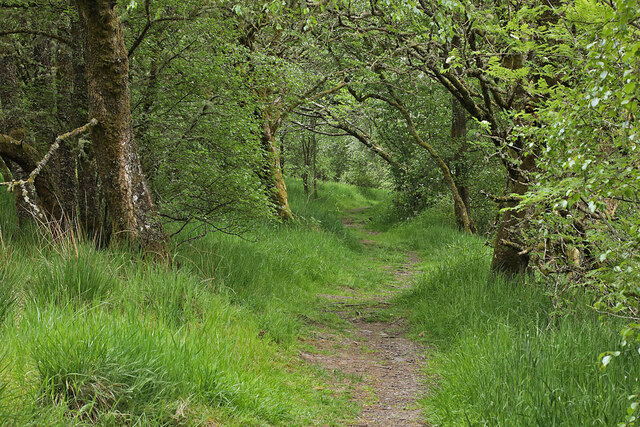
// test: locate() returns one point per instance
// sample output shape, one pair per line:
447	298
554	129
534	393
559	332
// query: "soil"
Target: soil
376	351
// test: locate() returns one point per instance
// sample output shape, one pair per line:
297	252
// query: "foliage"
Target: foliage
585	206
550	92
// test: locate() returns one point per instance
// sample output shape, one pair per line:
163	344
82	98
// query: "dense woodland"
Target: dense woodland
159	156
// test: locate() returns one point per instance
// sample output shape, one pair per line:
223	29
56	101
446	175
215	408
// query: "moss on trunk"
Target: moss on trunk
132	214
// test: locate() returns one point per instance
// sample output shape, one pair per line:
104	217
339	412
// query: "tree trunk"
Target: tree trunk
508	255
90	199
459	136
89	193
64	160
68	160
306	162
133	216
272	174
314	151
11	125
282	152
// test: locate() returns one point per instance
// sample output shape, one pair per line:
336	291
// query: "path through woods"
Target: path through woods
375	349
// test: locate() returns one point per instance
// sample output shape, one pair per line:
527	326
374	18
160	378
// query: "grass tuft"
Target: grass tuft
79	277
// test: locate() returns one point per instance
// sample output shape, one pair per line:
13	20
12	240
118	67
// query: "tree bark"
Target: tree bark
272	174
26	158
459	136
11	124
508	255
133	216
64	160
282	153
90	198
89	193
314	148
306	162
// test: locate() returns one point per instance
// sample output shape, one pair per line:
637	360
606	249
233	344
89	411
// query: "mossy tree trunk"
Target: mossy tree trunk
272	173
508	255
133	216
459	136
64	159
90	196
11	124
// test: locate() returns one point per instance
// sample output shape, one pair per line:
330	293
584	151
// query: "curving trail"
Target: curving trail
377	352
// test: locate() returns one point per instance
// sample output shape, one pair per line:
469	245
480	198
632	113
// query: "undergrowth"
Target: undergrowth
106	337
500	355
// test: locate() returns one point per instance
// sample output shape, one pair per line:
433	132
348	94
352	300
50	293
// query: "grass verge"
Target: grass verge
107	338
499	356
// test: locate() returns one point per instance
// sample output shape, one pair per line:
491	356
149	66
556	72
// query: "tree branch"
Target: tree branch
6	140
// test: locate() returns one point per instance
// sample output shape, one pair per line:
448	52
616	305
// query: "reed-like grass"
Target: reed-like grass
499	354
106	337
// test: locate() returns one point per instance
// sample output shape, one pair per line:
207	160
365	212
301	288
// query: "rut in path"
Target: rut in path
388	363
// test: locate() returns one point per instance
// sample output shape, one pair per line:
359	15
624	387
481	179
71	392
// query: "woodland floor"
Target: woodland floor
384	365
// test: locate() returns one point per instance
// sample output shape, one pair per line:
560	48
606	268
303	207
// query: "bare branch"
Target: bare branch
5	139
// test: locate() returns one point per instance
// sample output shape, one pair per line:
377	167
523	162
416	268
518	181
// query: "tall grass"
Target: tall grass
106	337
7	297
500	356
80	277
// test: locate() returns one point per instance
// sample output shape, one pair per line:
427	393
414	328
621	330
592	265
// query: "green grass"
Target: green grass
107	338
499	357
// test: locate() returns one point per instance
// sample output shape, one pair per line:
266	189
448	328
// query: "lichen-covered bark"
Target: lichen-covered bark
12	126
272	174
26	158
131	209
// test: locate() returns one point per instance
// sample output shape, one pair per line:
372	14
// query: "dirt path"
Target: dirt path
375	351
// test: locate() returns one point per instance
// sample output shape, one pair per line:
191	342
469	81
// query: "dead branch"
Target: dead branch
8	141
